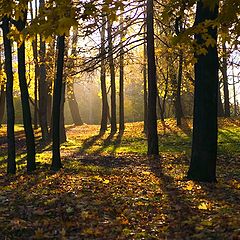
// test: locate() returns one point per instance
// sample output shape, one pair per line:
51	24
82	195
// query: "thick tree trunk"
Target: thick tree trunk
152	84
27	120
204	142
57	92
11	163
112	73
105	110
121	81
225	82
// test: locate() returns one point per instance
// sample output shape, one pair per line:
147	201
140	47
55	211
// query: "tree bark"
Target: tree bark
63	137
225	82
27	121
73	105
234	93
220	104
11	162
204	142
2	102
121	81
145	92
36	70
152	84
112	73
57	92
105	110
43	89
179	111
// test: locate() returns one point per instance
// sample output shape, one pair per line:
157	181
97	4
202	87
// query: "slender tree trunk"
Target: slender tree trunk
27	120
105	110
63	137
2	102
2	94
234	92
152	84
121	81
73	105
51	58
36	70
145	93
43	89
179	111
220	104
160	108
204	142
11	163
49	103
225	82
57	92
36	79
112	73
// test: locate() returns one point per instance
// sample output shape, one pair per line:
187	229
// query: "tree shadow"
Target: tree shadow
178	204
88	143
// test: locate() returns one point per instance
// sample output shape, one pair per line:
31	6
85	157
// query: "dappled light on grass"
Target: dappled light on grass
109	189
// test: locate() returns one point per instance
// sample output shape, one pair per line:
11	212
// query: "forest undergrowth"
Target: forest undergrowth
110	189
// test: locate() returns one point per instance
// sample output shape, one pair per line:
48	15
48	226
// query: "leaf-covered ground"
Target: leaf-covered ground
109	188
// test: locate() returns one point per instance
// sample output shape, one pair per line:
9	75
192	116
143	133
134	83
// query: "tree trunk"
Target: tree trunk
11	162
112	73
43	89
234	92
2	103
220	104
160	108
204	142
179	111
121	81
73	105
27	121
36	70
225	82
49	103
2	94
63	137
105	110
57	92
152	84
145	93
36	79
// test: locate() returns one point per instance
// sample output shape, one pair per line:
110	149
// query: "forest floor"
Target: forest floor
110	189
